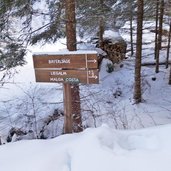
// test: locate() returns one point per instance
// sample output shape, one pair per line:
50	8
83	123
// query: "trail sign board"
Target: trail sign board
68	67
72	67
67	76
66	61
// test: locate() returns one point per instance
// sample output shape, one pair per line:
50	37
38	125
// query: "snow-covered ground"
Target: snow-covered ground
102	149
105	148
109	102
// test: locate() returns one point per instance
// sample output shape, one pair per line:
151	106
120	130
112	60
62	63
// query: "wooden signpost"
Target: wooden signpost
72	67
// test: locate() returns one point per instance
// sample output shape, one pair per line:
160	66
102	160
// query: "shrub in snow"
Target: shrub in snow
53	125
15	132
153	78
117	93
109	67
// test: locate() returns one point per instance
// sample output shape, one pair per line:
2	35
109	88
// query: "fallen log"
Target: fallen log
154	63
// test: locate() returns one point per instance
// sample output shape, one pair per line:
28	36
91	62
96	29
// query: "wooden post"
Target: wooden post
67	108
65	68
72	46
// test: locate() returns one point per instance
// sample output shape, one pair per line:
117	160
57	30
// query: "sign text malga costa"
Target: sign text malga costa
71	67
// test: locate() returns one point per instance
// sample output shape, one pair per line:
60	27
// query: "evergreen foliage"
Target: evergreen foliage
89	14
12	50
18	18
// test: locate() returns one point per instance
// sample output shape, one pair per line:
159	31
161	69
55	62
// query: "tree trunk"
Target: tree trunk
170	77
137	86
156	30
159	42
161	23
67	108
70	25
101	32
131	29
168	47
74	121
168	50
101	25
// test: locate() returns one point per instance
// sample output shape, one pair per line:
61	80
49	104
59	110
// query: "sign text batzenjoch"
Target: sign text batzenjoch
68	61
59	61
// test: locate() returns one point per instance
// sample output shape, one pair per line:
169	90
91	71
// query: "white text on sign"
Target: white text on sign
59	61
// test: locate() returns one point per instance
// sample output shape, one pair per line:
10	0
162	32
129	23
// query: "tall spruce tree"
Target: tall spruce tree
156	49
168	46
94	16
137	86
168	52
159	37
73	121
12	50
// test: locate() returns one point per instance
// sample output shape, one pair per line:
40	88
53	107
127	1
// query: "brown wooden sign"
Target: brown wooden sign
67	76
66	61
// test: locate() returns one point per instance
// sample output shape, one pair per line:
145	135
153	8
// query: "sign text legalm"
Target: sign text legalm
58	73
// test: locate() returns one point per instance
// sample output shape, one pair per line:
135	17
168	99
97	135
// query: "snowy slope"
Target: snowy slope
101	149
110	102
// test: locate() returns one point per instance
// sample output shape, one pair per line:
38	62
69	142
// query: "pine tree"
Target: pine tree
137	86
12	50
168	46
168	51
93	17
159	38
73	112
131	28
156	50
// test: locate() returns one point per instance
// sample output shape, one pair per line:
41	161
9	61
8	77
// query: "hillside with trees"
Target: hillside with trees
132	40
